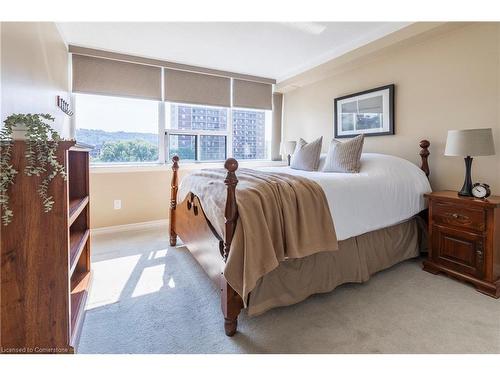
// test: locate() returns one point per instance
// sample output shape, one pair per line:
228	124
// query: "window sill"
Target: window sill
134	168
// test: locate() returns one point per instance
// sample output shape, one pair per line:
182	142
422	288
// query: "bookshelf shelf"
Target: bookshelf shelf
76	205
78	240
80	288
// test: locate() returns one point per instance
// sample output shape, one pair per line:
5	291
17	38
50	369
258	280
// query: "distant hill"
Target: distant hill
99	137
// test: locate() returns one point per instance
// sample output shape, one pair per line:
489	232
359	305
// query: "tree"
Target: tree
128	151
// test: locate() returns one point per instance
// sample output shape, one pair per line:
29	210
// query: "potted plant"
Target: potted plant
41	153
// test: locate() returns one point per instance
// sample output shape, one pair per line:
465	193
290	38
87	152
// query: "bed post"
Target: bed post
173	199
231	302
424	154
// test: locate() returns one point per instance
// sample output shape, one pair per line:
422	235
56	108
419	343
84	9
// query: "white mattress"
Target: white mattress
387	191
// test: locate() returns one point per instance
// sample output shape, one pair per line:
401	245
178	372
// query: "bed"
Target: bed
375	215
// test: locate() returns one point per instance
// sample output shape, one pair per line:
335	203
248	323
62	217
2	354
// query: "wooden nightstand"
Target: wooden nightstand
464	239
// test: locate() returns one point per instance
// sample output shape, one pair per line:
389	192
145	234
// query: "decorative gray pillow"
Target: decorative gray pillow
344	156
306	155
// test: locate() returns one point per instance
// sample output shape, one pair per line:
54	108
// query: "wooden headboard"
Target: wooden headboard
424	155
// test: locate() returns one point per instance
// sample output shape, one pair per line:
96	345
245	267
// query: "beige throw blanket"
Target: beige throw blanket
280	216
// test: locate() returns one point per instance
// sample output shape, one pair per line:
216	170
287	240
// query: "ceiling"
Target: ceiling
276	50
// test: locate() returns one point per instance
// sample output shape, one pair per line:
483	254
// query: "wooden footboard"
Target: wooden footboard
189	222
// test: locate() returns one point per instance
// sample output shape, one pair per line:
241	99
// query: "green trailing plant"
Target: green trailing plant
41	158
8	172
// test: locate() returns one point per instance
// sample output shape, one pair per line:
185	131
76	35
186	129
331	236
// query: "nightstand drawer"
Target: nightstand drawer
448	213
458	250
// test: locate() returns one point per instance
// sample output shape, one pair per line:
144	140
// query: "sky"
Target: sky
116	114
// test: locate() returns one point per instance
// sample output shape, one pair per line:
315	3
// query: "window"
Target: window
203	133
249	134
183	145
122	130
199	132
213	123
125	130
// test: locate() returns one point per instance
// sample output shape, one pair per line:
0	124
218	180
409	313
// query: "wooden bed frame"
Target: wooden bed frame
189	223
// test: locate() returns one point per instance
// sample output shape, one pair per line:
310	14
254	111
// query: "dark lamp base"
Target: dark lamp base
466	190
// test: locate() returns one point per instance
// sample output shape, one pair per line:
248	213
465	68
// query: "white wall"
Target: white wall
34	70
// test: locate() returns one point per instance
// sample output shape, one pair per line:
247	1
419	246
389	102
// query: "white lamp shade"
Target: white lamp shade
288	147
470	142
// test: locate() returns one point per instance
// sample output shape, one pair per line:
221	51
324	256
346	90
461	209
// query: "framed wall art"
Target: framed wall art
369	112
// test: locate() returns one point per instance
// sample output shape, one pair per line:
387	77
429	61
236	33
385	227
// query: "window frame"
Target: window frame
228	133
164	131
197	134
159	143
267	117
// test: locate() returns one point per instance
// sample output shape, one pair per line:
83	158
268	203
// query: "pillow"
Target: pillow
321	164
306	155
344	156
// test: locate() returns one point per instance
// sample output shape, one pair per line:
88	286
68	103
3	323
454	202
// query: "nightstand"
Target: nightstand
464	239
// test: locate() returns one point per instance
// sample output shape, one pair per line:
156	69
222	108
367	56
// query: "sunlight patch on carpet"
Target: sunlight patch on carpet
150	281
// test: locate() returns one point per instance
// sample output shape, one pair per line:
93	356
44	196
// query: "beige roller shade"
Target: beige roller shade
165	64
276	129
248	94
196	88
94	75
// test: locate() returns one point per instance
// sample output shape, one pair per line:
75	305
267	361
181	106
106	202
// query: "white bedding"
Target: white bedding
387	191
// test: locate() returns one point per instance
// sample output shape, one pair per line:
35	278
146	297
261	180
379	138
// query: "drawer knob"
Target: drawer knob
458	216
479	252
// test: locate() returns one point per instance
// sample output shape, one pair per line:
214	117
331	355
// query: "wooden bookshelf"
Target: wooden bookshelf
45	258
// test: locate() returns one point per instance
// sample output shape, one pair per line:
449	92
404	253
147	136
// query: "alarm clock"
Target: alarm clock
480	190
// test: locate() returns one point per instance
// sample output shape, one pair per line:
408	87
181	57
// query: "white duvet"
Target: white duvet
387	191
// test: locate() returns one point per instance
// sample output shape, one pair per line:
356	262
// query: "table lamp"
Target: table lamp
468	143
288	148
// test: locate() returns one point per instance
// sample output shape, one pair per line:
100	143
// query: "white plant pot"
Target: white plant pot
19	132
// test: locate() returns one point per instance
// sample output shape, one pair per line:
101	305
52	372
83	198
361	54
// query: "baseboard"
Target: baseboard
130	227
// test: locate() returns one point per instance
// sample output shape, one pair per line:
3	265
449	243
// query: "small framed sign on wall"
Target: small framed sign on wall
369	112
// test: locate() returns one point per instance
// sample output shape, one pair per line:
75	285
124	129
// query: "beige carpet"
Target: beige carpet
149	298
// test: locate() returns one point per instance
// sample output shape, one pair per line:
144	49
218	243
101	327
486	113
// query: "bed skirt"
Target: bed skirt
356	260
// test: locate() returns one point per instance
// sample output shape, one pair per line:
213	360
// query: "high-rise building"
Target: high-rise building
248	132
